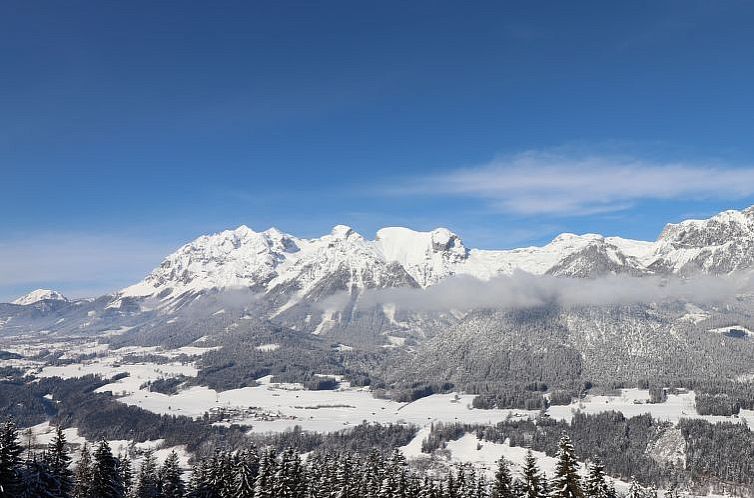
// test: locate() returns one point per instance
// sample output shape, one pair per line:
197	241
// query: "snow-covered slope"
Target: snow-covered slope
40	295
427	256
719	245
229	259
567	255
342	260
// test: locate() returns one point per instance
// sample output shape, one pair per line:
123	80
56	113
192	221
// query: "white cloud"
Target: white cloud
523	290
76	264
544	183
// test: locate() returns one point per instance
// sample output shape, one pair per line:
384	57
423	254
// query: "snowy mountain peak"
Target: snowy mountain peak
427	256
242	231
344	232
570	238
445	240
40	295
716	230
721	244
232	258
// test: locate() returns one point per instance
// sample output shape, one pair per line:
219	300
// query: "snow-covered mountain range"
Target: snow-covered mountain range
292	280
242	288
273	262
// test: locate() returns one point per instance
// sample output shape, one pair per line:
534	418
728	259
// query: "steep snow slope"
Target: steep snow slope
719	245
427	256
567	255
233	258
40	295
342	260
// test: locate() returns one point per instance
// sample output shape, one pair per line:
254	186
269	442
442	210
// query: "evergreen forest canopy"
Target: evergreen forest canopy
266	473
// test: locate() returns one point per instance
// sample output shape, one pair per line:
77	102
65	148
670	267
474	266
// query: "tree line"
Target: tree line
268	473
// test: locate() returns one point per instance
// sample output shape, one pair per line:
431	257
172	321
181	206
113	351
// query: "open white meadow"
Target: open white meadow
634	402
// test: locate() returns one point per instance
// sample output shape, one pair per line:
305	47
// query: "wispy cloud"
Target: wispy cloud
76	264
523	290
544	183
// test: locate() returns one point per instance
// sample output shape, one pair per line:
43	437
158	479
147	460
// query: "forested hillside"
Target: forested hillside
254	472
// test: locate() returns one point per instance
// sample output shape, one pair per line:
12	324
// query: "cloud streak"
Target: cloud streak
544	183
523	290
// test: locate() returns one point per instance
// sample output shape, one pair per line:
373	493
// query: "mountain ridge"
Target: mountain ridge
290	270
240	288
271	260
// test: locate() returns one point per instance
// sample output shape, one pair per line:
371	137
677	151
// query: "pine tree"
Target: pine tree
387	488
200	486
10	451
530	476
283	482
317	475
503	485
371	478
171	484
225	465
566	483
414	487
343	478
280	479
471	482
266	477
83	477
544	486
635	490
36	479
213	478
397	467
127	474
59	461
106	480
147	483
440	490
481	487
427	488
299	485
246	473
672	491
460	489
450	486
595	484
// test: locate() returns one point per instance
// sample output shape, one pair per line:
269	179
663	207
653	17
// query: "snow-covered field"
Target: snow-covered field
633	402
268	407
734	329
43	433
108	367
484	455
277	407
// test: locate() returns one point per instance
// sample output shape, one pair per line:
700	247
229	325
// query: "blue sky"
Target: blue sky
129	128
